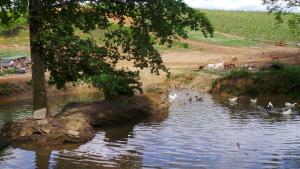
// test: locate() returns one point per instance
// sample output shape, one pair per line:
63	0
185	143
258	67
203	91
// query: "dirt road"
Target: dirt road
201	53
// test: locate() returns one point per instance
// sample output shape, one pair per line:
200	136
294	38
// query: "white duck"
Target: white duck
173	97
233	100
269	107
253	101
290	105
288	112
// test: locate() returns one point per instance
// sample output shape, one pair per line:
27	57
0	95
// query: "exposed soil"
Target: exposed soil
200	53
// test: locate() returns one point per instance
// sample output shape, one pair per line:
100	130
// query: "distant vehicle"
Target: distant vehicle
15	61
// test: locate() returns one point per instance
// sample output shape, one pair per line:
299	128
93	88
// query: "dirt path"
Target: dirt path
202	53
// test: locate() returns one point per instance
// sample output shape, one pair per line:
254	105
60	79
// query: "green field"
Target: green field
260	26
233	28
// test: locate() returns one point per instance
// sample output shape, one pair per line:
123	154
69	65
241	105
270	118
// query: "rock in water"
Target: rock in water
75	123
39	114
74	134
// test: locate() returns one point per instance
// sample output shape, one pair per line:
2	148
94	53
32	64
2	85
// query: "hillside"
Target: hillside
252	25
233	28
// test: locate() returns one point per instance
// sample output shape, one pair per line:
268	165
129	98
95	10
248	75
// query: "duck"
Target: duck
288	112
199	99
190	99
233	100
173	97
269	107
290	105
253	101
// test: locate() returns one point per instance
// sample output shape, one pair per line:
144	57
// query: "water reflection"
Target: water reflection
244	110
208	134
23	108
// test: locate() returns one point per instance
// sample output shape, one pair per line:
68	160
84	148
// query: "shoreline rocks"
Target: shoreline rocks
76	122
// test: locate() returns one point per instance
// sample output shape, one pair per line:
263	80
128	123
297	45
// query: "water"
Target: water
210	134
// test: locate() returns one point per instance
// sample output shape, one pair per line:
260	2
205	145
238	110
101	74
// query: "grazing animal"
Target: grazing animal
211	66
269	107
173	97
290	105
215	66
229	65
234	59
249	66
233	100
219	65
201	67
253	101
288	112
280	43
275	59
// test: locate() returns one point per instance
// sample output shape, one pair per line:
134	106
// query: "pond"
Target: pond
209	134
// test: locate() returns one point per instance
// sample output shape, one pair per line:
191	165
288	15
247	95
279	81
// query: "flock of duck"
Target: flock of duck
174	96
287	110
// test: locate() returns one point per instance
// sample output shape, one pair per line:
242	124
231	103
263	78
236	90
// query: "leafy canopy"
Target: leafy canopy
131	28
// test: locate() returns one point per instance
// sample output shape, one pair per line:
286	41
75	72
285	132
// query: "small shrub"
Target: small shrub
239	73
11	71
214	82
117	83
185	45
186	77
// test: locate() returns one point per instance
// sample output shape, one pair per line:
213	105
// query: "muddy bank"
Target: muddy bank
77	121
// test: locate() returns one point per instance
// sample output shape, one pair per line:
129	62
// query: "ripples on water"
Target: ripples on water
209	134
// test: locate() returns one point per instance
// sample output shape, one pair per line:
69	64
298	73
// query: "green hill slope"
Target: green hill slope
252	25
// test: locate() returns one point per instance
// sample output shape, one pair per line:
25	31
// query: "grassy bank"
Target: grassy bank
277	79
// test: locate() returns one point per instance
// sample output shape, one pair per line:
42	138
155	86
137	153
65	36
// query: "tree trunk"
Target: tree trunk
38	62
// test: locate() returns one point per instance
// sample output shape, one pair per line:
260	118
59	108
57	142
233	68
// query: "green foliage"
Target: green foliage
128	31
117	83
239	73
